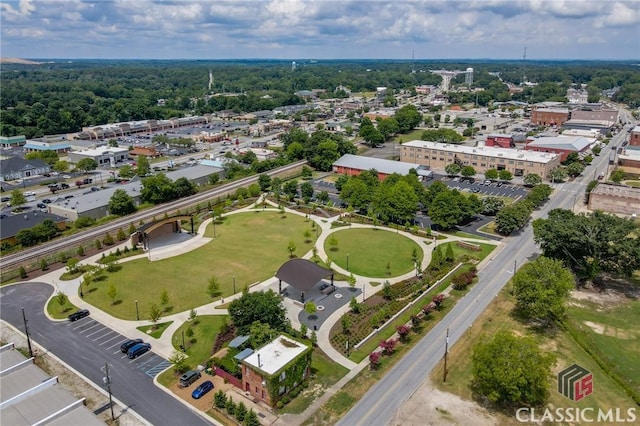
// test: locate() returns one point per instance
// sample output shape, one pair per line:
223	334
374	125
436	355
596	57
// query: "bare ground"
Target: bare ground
429	406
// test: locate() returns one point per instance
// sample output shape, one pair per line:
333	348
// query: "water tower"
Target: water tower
293	66
468	77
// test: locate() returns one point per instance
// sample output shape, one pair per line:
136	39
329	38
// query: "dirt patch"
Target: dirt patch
608	330
605	299
597	328
429	406
206	402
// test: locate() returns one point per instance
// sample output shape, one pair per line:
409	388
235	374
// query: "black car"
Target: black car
124	348
41	205
46	201
78	315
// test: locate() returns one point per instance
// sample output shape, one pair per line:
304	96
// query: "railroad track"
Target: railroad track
49	249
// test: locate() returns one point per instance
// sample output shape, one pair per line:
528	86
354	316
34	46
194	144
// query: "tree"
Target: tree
121	204
291	247
121	236
596	150
575	169
183	187
72	265
265	307
241	411
388	127
154	314
157	189
306	173
143	166
468	171
333	243
354	305
388	346
491	174
220	399
44	265
541	288
87	165
372	136
290	188
408	117
264	181
558	174
532	179
505	175
61	166
261	333
251	418
352	281
61	298
213	288
307	236
492	205
374	360
616	176
310	308
17	199
323	197
164	298
513	217
452	169
589	243
306	189
107	240
112	292
496	378
179	361
126	171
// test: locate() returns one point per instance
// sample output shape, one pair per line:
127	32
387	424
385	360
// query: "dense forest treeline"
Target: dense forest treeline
64	96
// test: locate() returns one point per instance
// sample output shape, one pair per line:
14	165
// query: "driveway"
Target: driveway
86	345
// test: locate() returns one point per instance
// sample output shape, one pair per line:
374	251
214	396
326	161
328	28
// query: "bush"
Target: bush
279	404
230	406
374	360
286	399
22	272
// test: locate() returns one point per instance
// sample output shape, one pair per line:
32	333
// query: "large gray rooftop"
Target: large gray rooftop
388	167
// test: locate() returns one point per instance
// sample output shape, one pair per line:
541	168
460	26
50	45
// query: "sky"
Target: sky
320	29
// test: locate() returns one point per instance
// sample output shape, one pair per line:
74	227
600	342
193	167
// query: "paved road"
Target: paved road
86	345
380	404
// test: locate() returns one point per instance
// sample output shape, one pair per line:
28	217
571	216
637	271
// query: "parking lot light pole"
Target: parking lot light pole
107	382
137	312
234	284
26	332
347	261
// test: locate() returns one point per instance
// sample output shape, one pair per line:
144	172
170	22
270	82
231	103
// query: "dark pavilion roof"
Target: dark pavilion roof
302	273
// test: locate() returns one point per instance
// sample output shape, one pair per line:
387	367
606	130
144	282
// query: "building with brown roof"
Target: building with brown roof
612	198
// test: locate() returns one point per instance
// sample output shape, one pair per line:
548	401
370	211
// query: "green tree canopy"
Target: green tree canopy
121	203
265	307
87	164
408	118
510	370
541	288
143	166
532	179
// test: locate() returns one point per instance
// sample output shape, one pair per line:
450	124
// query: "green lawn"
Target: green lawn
57	311
370	250
155	331
200	343
326	372
249	246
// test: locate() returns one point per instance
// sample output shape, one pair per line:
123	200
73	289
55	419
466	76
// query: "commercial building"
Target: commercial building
12	224
500	140
275	369
12	141
634	137
14	168
561	145
31	397
549	116
619	199
104	156
56	143
437	155
353	165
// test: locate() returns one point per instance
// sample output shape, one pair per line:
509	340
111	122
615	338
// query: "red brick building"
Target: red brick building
500	140
563	145
634	138
549	116
275	369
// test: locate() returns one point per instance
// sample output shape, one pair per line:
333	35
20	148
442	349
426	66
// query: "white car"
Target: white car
66	177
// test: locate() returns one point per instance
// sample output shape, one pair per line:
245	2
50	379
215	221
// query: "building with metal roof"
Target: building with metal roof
30	397
12	224
562	145
19	168
353	165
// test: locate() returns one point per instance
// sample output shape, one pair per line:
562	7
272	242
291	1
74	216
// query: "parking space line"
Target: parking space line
97	331
77	326
103	335
150	361
97	324
107	341
119	336
140	356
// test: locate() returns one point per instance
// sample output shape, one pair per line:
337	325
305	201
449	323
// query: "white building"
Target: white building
104	156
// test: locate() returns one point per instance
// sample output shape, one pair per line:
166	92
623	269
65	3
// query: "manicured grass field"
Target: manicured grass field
205	329
58	311
248	246
370	250
155	331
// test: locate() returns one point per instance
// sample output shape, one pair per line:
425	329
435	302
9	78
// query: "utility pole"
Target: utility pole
446	351
26	331
107	382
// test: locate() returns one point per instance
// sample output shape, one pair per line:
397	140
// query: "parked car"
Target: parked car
137	350
66	177
124	348
94	189
46	201
78	315
487	183
5	199
189	377
500	183
201	390
41	205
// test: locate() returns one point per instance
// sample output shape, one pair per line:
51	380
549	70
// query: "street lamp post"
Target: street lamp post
137	312
363	295
26	332
107	382
347	261
234	284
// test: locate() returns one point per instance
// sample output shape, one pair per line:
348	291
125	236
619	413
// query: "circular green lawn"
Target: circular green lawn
371	250
250	246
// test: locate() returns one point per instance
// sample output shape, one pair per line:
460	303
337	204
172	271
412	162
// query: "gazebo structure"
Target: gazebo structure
163	226
302	274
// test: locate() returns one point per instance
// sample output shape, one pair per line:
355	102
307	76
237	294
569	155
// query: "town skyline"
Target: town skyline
321	30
